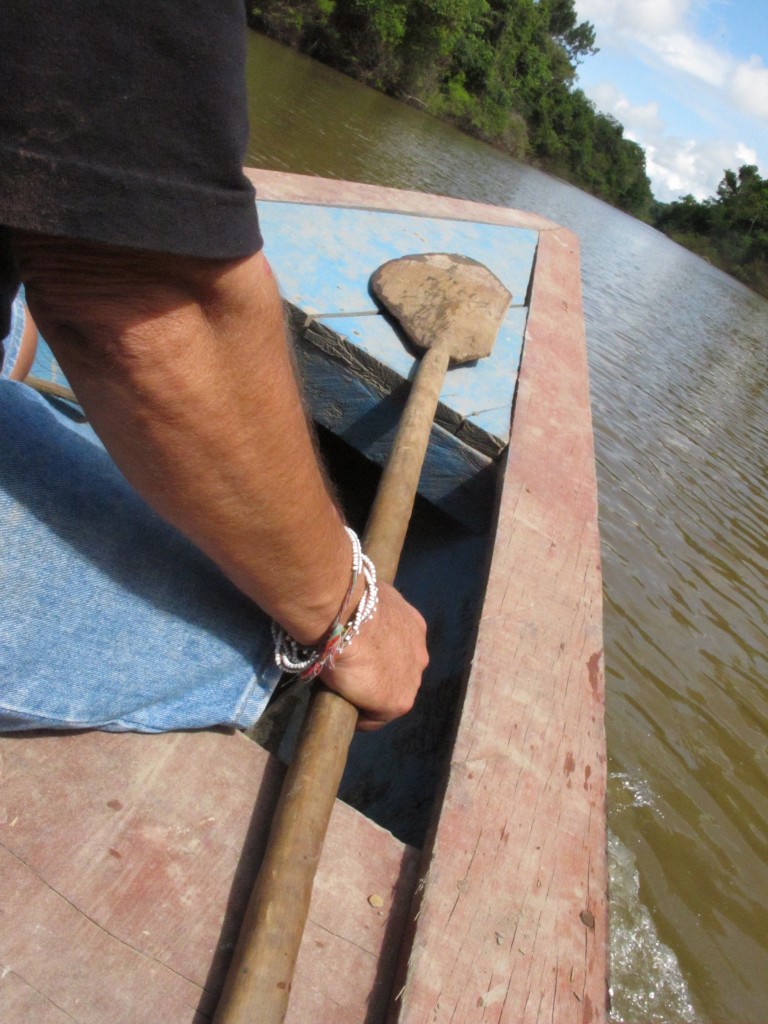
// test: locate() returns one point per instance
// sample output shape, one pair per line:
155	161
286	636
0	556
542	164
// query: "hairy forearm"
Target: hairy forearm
188	380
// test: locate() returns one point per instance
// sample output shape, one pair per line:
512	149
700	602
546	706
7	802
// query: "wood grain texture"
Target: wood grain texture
444	300
359	402
324	257
126	861
512	920
299	188
452	307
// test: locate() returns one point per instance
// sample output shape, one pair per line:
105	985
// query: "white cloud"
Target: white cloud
676	166
658	27
651	17
659	32
695	57
680	167
635	17
749	88
643	116
745	155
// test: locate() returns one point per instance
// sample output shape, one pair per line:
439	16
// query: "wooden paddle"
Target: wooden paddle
451	307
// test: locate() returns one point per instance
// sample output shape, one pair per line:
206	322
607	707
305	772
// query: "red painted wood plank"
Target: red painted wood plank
299	188
512	924
67	963
126	863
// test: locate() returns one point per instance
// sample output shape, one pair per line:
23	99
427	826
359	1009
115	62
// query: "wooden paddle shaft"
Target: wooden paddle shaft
258	985
391	511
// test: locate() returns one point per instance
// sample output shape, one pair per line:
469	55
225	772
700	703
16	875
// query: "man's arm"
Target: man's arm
185	372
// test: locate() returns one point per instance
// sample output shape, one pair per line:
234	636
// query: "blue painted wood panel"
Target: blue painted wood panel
456	477
323	258
45	366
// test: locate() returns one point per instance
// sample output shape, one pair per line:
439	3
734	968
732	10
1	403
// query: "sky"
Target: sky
688	79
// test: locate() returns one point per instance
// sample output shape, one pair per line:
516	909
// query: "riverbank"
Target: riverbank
753	275
508	80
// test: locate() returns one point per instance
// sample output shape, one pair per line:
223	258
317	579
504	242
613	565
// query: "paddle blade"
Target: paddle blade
444	300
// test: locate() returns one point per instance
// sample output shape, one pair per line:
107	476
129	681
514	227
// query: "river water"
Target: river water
678	358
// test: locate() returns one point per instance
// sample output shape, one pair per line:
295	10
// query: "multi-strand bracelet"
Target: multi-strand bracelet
308	662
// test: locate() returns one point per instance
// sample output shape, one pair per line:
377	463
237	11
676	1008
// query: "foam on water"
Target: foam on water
646	982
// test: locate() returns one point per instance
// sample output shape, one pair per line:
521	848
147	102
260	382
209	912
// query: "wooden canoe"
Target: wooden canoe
127	859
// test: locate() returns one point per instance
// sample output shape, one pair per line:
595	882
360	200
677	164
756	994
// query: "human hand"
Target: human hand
380	671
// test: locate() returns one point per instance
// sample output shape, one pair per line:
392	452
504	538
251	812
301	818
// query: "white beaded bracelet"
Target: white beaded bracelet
308	662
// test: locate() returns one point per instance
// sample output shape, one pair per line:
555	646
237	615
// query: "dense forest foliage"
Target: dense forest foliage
502	70
730	230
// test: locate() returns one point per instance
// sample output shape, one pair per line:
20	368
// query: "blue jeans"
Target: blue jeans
109	617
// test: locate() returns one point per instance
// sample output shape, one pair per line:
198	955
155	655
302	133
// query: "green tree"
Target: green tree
730	229
686	216
576	38
296	23
743	200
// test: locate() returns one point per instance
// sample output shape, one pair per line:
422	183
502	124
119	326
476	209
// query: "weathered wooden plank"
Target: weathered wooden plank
339	339
299	188
360	403
325	255
512	922
324	258
126	863
476	416
20	1001
62	960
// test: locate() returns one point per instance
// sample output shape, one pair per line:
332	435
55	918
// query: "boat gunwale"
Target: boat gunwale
279	186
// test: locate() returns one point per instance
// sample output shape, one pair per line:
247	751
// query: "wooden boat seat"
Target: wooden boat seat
126	862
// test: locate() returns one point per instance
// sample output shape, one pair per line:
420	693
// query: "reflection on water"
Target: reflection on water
678	360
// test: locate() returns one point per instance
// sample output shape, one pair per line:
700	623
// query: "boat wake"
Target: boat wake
647	983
